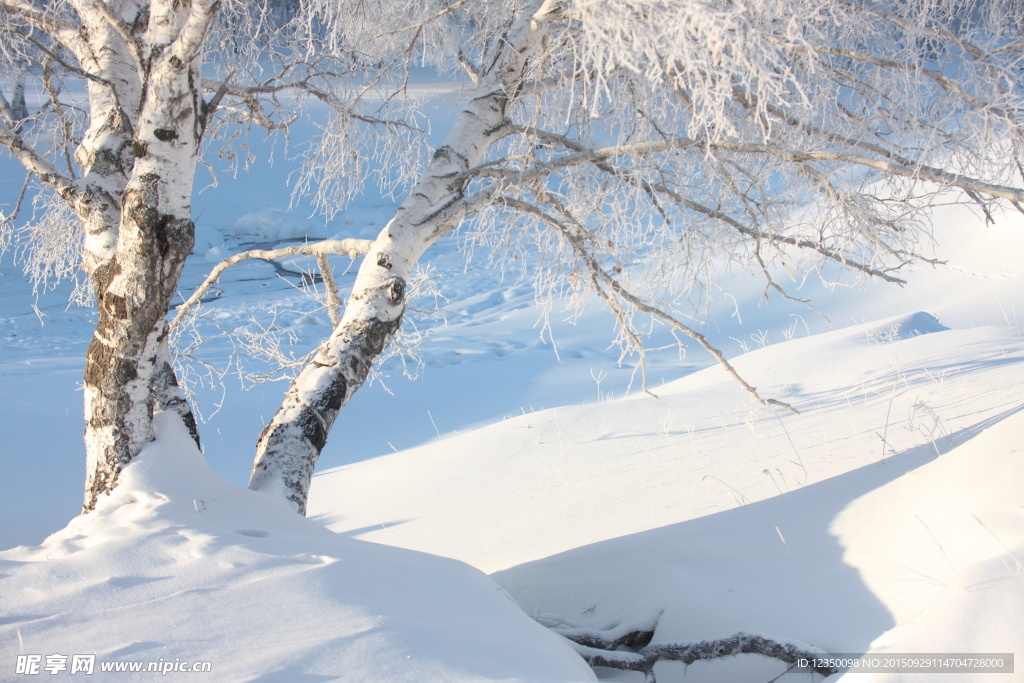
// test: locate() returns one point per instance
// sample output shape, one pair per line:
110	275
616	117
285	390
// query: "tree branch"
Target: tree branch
603	647
38	164
640	149
576	242
190	39
659	188
334	302
64	33
122	30
351	247
4	220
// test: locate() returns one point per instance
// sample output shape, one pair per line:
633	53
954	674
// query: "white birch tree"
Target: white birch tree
624	144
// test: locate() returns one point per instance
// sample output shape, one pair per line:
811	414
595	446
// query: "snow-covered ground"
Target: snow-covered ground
885	518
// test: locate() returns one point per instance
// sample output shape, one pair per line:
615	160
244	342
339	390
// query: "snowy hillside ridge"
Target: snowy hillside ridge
603	470
723	517
179	565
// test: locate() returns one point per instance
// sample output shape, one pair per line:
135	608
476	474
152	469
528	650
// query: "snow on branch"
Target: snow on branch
688	652
653	189
61	31
916	171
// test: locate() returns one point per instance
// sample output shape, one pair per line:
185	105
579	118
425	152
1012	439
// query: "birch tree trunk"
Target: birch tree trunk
291	443
126	371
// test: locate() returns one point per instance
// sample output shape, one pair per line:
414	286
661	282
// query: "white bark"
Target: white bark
130	178
105	153
348	247
628	142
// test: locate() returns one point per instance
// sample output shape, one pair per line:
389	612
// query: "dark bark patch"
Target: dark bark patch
334	395
383	260
396	291
115	304
313	431
106	370
165	134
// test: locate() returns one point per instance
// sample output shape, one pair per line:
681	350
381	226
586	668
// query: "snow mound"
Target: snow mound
617	467
178	565
942	548
904	327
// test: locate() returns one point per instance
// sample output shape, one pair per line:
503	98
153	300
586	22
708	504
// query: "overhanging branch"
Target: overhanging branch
38	164
640	149
619	290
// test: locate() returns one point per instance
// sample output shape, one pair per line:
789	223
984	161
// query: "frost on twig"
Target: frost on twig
49	248
621	301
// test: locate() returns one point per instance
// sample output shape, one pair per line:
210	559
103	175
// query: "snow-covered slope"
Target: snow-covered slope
914	555
179	566
545	482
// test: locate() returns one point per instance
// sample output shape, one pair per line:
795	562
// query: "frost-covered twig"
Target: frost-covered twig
603	279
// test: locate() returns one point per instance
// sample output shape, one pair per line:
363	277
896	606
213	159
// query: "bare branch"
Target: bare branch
471	69
350	247
62	117
418	26
64	33
688	652
190	39
649	147
4	220
122	30
659	188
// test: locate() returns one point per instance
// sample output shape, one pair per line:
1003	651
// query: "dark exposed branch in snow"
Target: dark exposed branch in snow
602	647
688	652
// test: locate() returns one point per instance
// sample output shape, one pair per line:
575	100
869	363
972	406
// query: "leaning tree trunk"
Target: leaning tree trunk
290	445
127	375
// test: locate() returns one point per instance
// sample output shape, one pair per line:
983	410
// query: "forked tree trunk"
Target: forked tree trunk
290	445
